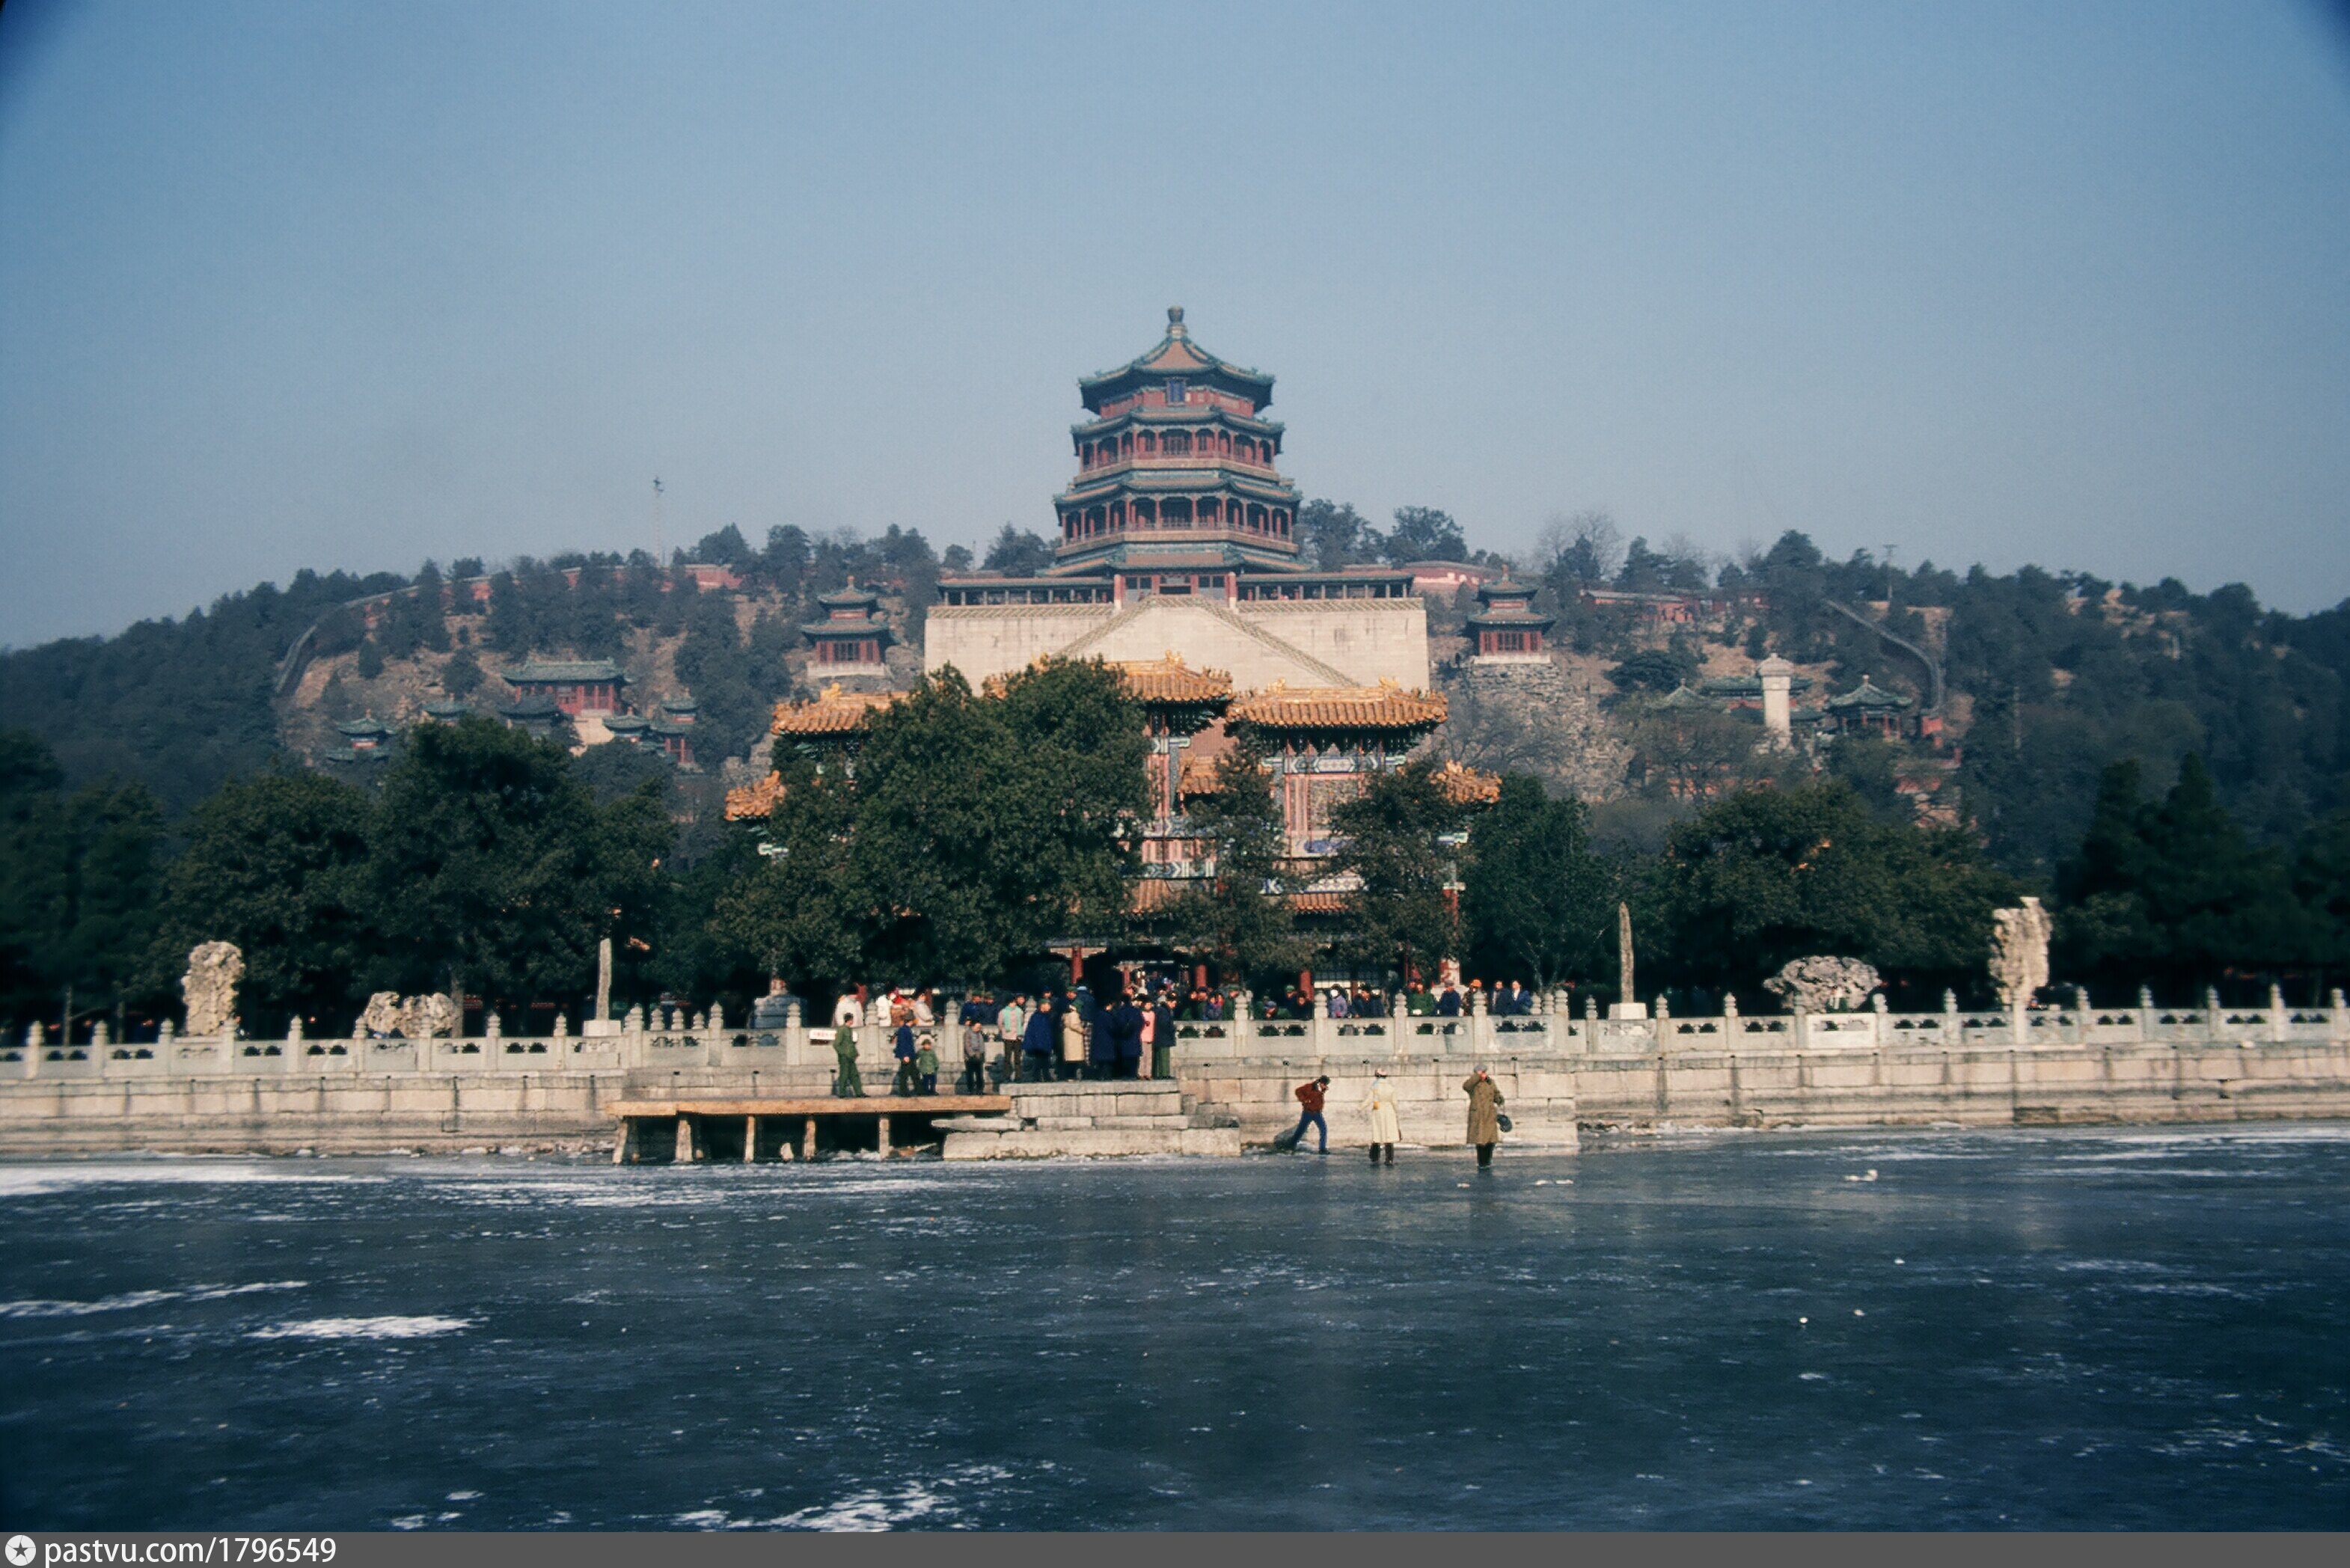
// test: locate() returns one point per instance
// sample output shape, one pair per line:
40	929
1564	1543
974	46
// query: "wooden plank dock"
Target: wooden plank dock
705	1128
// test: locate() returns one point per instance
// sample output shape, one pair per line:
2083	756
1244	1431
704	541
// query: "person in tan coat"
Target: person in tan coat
1386	1128
1484	1114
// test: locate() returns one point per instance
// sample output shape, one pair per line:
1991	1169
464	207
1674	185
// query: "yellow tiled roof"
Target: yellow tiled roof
755	802
837	713
1386	706
1169	679
1467	786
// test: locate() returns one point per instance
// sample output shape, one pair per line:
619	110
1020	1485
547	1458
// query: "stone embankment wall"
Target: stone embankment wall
1557	1073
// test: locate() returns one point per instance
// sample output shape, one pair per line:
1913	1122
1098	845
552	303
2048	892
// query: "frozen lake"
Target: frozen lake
2060	1328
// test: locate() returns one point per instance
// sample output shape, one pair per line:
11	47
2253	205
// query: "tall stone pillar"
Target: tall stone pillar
1778	678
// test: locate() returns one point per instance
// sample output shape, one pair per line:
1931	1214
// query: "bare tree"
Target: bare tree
1585	547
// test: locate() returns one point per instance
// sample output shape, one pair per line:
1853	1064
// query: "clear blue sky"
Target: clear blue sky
287	285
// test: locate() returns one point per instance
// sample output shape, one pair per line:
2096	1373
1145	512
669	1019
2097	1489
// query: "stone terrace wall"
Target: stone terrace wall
1557	1074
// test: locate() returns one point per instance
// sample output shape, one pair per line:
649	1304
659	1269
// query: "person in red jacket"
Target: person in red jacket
1309	1096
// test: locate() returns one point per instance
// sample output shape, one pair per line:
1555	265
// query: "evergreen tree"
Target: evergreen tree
461	676
2175	892
1395	833
1332	533
1769	876
1537	903
491	866
276	865
1017	553
1424	534
975	830
1237	917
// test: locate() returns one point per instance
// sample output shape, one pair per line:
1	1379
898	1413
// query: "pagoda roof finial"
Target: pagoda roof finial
1175	328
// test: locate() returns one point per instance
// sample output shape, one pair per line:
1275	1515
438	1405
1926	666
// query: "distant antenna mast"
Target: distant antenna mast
658	561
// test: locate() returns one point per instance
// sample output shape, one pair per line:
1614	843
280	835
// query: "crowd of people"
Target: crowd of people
1030	1038
1449	1000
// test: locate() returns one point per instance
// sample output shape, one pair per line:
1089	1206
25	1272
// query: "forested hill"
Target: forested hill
2050	676
181	706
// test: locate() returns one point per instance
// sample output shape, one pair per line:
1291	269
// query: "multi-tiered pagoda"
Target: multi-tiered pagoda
1176	485
1180	533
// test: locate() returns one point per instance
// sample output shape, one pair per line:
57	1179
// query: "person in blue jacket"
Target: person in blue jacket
1126	1037
1036	1043
1101	1042
902	1047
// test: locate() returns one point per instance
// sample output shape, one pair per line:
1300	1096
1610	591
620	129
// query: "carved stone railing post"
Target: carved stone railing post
1730	1027
36	1045
296	1045
1661	1027
2337	1028
2215	1022
2280	1030
1880	1027
1802	1028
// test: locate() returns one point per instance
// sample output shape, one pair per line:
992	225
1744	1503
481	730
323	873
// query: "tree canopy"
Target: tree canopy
1537	903
1768	876
974	828
1396	839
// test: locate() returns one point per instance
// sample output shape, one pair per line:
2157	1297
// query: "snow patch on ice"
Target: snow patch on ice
365	1328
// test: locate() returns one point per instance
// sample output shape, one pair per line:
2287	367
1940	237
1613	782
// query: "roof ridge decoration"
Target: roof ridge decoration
1178	336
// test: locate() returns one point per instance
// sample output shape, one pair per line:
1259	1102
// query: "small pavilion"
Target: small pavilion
1867	710
1506	627
851	638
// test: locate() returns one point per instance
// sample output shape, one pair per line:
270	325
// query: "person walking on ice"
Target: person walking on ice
1386	1128
1310	1097
1484	1114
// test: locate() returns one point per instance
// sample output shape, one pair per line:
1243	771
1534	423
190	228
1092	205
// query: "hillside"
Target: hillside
2048	676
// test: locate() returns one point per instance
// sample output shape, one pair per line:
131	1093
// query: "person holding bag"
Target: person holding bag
1484	1114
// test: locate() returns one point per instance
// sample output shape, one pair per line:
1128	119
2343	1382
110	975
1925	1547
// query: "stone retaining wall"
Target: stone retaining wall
1557	1074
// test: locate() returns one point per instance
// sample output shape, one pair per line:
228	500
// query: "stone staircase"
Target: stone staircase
1117	1117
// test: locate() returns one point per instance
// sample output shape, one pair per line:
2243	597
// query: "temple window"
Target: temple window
1175	392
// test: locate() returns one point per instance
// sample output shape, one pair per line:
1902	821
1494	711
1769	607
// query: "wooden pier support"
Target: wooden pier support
691	1142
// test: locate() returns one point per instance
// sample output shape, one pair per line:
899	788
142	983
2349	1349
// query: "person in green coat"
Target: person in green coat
1484	1114
847	1084
926	1065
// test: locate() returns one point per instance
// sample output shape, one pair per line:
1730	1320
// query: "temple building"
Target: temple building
1177	532
1178	704
1506	627
367	739
670	732
574	686
1322	744
851	639
826	731
1867	710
